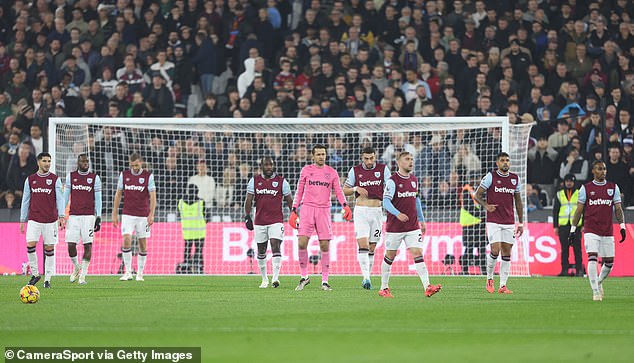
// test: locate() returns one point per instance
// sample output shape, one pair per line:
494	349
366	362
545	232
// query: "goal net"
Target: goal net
221	155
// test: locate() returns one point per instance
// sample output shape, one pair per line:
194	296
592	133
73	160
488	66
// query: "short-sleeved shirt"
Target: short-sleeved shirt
42	199
373	180
136	192
598	200
403	192
83	187
269	194
501	189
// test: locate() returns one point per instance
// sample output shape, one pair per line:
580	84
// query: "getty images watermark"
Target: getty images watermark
103	354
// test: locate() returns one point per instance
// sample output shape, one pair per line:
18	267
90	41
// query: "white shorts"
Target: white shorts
501	233
412	239
271	231
80	229
129	224
603	245
368	222
48	231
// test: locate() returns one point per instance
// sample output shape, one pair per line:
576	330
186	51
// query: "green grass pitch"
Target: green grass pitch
545	320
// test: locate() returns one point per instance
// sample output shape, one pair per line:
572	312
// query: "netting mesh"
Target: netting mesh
220	156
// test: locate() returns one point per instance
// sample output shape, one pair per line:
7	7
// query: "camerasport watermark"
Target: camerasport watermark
103	354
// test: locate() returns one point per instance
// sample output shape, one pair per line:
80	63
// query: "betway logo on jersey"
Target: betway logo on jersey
319	183
82	187
41	190
504	190
405	194
369	183
600	202
266	191
135	187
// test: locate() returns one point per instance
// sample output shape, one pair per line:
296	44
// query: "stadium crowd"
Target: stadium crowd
565	64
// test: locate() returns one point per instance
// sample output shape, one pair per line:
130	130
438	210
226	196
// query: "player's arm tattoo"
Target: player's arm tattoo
519	206
577	216
618	213
479	196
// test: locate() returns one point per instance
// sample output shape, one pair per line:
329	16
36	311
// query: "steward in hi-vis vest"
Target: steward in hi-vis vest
472	218
564	209
192	212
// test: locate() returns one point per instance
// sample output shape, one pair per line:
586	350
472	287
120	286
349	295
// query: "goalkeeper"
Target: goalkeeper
316	181
192	212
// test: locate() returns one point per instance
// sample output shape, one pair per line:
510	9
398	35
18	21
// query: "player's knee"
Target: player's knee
87	251
262	248
390	254
372	247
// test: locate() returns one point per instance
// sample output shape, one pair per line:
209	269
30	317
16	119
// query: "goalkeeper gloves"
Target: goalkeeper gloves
293	219
347	212
248	222
97	224
622	235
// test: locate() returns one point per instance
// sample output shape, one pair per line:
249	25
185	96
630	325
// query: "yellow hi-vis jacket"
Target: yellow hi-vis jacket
568	207
192	219
467	219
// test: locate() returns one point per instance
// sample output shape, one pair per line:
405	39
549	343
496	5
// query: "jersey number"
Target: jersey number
377	233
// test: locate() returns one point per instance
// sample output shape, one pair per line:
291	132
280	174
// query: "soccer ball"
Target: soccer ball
29	294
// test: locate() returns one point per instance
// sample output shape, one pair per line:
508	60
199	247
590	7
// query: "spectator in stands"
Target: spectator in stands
559	139
8	200
225	192
209	107
574	164
398	144
138	107
532	198
22	165
205	61
625	124
36	140
542	166
617	172
434	161
7	151
205	183
466	160
164	67
183	76
24	120
158	98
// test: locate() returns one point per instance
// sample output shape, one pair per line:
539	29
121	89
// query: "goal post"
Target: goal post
220	155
